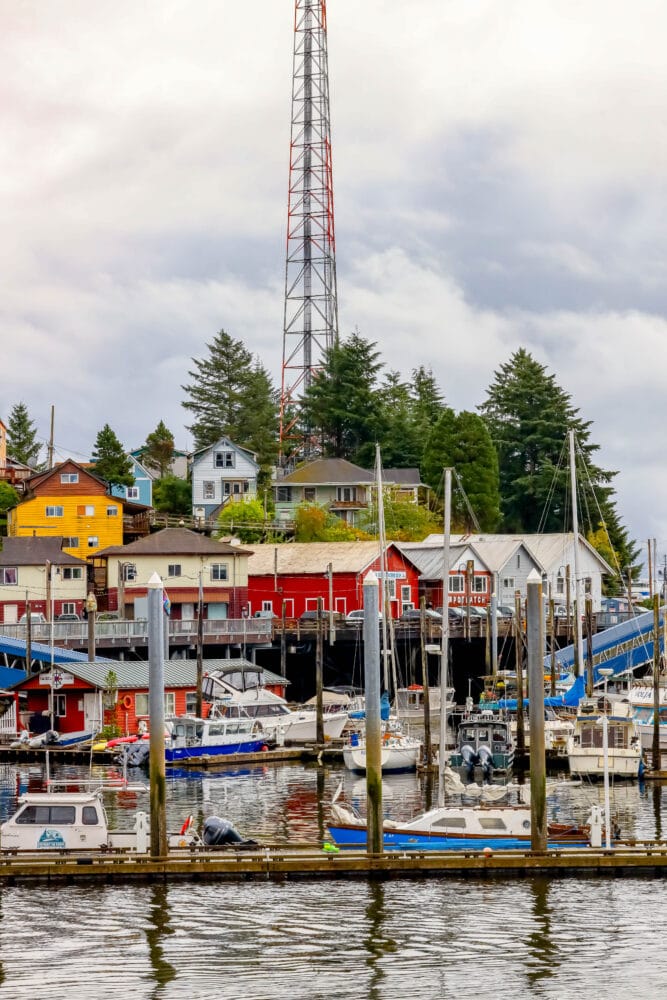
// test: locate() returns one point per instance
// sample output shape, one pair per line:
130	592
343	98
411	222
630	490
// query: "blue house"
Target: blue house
142	491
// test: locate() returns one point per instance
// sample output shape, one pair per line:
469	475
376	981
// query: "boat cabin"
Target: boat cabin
56	821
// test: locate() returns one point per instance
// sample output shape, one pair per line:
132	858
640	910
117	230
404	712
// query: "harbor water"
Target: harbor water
423	939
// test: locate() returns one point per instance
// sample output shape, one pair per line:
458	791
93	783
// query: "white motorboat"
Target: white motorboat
409	703
240	693
640	697
585	747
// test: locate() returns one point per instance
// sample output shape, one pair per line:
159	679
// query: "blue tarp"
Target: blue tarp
384	709
570	699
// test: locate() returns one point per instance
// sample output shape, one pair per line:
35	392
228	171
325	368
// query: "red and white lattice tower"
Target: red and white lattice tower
311	307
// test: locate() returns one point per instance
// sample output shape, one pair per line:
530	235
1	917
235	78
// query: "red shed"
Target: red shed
298	573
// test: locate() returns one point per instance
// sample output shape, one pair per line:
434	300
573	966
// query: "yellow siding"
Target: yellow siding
29	518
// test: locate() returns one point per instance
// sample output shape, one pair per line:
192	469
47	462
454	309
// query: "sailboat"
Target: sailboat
399	752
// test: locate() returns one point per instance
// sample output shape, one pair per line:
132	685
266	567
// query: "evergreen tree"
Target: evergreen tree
172	495
342	403
462	442
157	453
529	416
233	396
111	460
22	443
428	401
400	442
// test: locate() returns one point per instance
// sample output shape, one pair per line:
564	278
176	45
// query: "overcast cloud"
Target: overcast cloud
499	171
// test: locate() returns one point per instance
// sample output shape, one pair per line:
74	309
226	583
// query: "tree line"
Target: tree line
509	452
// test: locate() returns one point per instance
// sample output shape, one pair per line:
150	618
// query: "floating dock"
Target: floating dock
310	862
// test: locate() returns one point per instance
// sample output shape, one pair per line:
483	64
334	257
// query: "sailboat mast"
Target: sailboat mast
578	672
444	651
383	565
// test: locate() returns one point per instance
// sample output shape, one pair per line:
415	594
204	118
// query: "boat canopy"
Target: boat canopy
570	699
384	709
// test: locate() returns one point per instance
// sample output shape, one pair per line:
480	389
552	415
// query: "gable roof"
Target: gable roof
174	541
327	471
133	674
225	442
42	477
547	550
37	551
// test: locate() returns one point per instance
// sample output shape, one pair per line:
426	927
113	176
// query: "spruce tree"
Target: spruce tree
112	463
157	453
22	443
342	404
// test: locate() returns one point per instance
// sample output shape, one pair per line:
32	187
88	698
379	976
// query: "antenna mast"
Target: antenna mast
311	308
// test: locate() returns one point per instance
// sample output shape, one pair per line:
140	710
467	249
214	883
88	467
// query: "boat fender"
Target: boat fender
126	701
264	748
186	826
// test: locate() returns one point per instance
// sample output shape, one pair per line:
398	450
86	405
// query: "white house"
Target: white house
222	473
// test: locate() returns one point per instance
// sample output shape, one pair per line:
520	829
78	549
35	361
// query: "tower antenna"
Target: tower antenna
310	325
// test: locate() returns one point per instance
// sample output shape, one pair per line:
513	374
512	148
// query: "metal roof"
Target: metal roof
429	559
312	557
324	471
548	550
132	674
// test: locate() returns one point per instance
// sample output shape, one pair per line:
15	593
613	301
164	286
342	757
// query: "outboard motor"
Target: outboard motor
470	757
217	832
486	760
137	754
50	737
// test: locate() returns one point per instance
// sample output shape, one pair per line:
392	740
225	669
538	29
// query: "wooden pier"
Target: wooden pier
311	862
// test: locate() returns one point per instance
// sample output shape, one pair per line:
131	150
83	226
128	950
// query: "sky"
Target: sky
499	174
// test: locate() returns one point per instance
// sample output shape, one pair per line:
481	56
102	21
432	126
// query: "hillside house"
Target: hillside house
141	490
222	473
72	503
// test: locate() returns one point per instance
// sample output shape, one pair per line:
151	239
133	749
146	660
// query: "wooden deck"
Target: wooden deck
311	862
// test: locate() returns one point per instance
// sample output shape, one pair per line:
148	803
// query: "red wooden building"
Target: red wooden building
296	574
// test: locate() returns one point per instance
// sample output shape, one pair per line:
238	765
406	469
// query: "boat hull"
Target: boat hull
354	837
175	754
393	759
590	764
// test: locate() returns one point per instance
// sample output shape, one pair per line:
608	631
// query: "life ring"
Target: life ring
186	826
126	701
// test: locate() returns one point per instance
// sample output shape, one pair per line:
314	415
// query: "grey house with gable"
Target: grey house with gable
222	473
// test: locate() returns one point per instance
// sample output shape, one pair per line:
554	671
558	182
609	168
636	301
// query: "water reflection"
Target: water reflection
657	809
543	952
377	945
159	915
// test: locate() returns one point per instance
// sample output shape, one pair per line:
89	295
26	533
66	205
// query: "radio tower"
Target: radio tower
311	308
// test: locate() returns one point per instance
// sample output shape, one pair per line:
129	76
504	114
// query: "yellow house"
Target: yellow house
70	502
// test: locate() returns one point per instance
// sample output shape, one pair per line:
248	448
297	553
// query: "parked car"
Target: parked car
36	618
68	618
357	617
414	614
308	617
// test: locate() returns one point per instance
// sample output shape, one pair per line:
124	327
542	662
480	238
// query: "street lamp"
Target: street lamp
606	672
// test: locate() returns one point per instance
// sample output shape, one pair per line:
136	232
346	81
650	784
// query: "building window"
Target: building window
112	511
479	584
141	703
560	585
93	541
309	494
128	572
85	510
68	608
456	583
190	702
9	576
209	490
224	459
69	477
508	583
346	494
54	511
219	571
73	573
284	494
71	542
174	569
132	492
246	486
59	705
406	594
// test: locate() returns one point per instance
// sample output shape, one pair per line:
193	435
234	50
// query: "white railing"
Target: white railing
131	632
